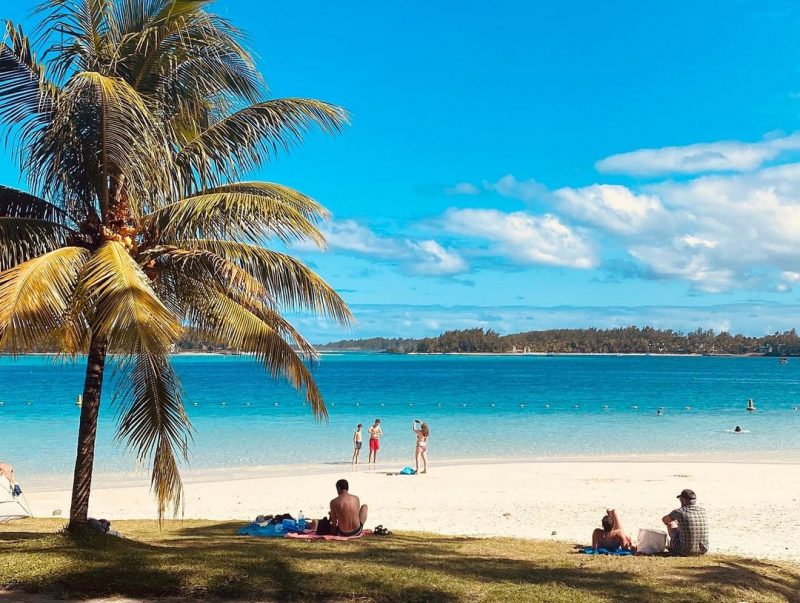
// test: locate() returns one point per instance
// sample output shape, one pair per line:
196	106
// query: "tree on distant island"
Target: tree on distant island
133	139
621	340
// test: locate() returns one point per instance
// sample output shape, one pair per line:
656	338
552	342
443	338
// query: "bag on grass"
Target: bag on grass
324	527
651	542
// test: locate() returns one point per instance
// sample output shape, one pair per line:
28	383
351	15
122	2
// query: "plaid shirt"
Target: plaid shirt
693	528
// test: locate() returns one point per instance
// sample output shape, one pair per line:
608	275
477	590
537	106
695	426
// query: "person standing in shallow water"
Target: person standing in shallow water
422	444
357	444
375	433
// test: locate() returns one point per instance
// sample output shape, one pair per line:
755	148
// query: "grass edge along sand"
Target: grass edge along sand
204	559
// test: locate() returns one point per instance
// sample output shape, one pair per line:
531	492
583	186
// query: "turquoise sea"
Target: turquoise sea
477	407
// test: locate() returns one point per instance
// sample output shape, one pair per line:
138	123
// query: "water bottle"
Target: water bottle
301	521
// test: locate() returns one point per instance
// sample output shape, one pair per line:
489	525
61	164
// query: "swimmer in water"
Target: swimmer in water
737	430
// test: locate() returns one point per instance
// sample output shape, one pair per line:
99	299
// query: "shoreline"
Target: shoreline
200	475
752	506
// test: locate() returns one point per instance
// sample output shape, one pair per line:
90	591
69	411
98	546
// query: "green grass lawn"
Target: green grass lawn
202	559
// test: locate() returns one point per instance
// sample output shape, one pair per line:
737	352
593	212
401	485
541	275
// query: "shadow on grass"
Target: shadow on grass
751	574
209	561
9	536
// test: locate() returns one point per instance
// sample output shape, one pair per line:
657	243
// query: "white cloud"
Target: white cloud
726	232
507	186
426	257
722	156
692	241
696	268
436	260
614	208
524	238
349	235
524	190
715	232
463	188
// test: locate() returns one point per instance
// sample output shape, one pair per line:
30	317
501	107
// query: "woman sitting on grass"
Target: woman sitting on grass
612	536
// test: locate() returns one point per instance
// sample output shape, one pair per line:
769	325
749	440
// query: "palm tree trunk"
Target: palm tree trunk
87	432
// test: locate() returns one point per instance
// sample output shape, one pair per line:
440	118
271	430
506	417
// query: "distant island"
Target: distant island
627	340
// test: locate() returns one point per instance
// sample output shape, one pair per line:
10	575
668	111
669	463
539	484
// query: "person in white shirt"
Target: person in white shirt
357	444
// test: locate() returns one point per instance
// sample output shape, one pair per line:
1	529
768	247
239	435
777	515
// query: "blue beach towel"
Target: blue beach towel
253	529
407	471
601	551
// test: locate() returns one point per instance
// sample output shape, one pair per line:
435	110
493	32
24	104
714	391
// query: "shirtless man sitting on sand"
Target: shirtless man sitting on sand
612	536
348	515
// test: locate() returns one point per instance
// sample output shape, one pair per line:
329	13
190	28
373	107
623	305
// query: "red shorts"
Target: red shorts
374	444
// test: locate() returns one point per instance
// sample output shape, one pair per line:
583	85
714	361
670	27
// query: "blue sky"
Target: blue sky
527	165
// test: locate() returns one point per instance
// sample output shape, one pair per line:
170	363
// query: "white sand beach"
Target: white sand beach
754	508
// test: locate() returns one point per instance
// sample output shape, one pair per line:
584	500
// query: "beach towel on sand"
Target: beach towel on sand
314	536
403	471
601	551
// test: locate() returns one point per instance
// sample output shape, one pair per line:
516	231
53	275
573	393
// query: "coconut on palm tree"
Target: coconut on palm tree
134	138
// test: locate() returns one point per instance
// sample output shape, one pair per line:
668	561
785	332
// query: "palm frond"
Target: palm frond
205	72
227	316
76	32
251	136
251	213
169	58
291	284
205	266
221	319
22	239
30	226
26	95
153	422
185	276
124	308
172	9
36	295
104	119
19	204
132	16
286	330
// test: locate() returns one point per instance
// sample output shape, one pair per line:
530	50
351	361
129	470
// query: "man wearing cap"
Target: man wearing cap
687	526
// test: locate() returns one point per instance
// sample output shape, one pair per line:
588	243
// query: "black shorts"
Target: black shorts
355	532
358	445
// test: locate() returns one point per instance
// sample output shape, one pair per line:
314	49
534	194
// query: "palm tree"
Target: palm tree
134	138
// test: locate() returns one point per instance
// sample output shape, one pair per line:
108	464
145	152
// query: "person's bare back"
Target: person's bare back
348	515
612	536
